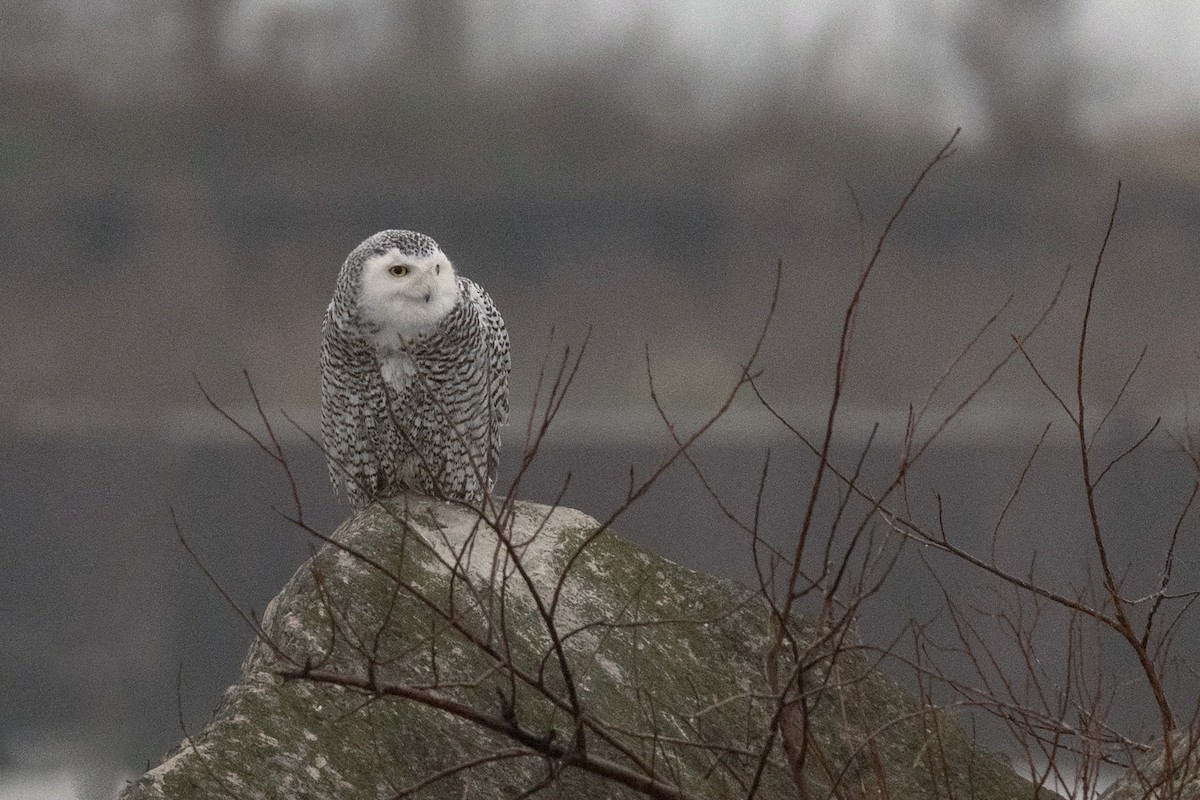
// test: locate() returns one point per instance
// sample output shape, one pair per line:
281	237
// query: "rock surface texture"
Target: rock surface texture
384	668
1150	776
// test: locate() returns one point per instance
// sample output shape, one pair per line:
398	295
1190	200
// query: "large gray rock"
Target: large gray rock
669	661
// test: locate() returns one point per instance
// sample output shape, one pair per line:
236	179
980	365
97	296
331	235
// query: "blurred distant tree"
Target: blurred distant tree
200	80
436	40
202	50
1016	52
18	34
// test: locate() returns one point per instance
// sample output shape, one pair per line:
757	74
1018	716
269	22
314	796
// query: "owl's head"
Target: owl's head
405	283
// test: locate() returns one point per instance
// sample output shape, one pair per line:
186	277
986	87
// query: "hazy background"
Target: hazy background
181	179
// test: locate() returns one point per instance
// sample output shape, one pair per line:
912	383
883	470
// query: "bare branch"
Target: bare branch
546	745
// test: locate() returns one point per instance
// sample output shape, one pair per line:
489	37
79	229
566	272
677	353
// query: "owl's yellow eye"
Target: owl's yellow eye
399	270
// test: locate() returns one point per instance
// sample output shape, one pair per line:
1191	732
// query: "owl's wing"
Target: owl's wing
355	420
499	360
496	366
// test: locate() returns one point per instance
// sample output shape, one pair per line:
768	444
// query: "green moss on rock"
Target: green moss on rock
672	661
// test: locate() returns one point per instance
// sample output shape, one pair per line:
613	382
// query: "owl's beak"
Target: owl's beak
428	294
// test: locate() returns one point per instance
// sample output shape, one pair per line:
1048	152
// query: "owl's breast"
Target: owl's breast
397	372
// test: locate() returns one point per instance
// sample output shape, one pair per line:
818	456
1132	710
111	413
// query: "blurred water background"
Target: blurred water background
181	179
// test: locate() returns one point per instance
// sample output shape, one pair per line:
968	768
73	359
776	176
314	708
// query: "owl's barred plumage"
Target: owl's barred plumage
414	374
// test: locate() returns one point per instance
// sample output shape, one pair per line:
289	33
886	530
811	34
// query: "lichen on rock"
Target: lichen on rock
668	665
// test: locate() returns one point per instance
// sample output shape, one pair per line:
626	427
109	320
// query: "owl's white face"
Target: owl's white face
406	295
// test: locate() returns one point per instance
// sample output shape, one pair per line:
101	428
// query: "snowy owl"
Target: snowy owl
414	374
